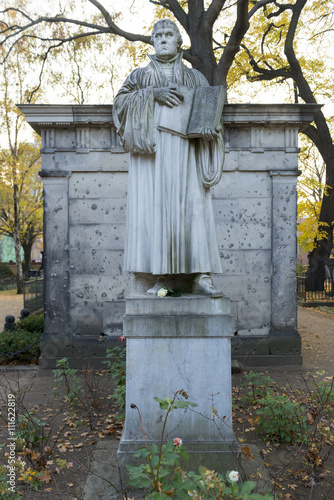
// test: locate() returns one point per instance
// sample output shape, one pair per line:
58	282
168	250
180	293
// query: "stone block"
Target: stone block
86	318
244	236
98	185
95	161
246	262
113	313
187	304
254	317
243	185
183	317
252	288
231	162
96	262
269	160
100	138
201	367
242	211
65	139
98	288
239	138
273	137
284	343
106	236
97	211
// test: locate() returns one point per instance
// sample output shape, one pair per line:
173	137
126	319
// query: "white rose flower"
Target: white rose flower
162	292
234	476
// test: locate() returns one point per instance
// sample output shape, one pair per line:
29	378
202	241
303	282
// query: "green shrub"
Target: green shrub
33	323
26	332
281	419
68	376
258	386
6	270
161	473
30	429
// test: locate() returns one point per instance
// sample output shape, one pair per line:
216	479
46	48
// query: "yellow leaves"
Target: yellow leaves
253	421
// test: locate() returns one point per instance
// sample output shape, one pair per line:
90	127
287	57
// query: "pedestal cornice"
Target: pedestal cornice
41	116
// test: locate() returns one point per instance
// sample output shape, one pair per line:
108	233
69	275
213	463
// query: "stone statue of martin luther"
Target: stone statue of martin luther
170	222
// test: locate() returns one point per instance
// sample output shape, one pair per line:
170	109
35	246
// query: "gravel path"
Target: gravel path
316	328
10	304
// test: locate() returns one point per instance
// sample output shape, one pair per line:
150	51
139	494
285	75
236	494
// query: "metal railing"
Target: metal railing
315	290
33	294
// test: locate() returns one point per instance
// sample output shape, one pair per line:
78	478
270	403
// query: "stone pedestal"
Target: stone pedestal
173	344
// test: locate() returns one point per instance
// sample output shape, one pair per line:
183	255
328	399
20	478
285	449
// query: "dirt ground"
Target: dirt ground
70	434
10	304
316	328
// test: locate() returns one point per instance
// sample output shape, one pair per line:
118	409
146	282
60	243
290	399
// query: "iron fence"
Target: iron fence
33	294
324	294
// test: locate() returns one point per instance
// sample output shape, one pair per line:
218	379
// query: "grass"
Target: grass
328	308
9	292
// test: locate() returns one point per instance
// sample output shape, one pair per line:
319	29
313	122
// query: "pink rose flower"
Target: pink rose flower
177	441
122	338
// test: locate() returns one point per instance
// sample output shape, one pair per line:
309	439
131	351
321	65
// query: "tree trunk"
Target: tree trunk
317	258
27	246
19	273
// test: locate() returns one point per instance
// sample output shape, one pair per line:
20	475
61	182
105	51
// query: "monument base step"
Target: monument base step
218	456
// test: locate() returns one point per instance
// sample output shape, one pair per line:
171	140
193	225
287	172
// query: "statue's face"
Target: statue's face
166	42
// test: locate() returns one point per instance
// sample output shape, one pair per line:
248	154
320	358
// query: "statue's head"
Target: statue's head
166	38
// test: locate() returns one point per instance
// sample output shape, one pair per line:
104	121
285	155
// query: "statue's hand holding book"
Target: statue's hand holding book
197	115
168	96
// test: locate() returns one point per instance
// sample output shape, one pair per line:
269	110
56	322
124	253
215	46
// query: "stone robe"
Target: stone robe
170	223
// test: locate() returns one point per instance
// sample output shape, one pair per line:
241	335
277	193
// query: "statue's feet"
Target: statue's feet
203	285
161	281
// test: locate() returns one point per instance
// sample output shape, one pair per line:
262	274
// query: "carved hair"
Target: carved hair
165	23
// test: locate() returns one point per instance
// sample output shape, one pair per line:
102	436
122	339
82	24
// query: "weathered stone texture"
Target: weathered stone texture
85	184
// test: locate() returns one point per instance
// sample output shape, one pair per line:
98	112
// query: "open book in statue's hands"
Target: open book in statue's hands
200	110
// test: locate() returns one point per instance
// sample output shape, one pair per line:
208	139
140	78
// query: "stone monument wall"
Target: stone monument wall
84	172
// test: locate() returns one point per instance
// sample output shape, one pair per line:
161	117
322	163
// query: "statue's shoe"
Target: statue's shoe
161	281
203	285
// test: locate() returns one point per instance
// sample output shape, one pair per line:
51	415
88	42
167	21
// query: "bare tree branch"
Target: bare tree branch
321	33
257	6
240	28
132	37
16	10
174	7
281	9
20	29
214	10
263	73
62	40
